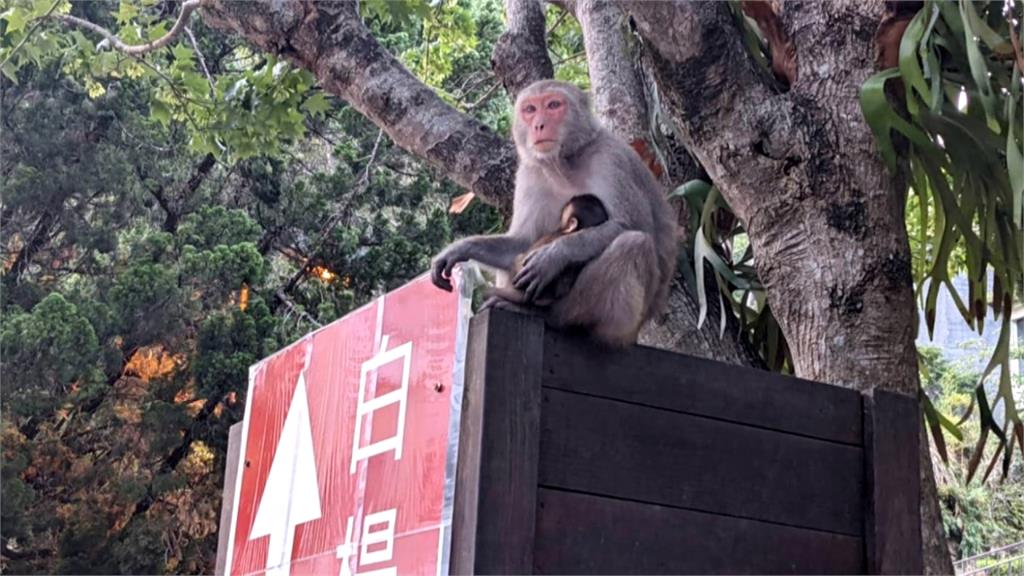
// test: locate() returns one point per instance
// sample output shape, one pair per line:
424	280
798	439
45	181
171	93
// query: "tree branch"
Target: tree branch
700	50
41	234
716	92
171	215
202	60
617	91
290	304
520	55
187	8
332	223
331	41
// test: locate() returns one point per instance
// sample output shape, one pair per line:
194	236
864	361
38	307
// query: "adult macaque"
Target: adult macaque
628	261
580	212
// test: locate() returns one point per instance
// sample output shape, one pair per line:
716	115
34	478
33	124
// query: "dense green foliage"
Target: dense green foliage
960	122
162	231
978	515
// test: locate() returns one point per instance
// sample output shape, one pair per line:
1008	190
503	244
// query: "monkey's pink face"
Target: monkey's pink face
543	116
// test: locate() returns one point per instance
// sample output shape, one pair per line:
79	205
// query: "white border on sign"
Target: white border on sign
469	278
229	556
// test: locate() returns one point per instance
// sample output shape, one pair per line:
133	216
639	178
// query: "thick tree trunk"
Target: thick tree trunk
521	56
800	169
617	91
619	99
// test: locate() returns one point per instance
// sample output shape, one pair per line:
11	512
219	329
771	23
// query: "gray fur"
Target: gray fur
630	259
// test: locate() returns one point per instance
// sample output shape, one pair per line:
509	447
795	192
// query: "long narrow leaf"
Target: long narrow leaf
932	418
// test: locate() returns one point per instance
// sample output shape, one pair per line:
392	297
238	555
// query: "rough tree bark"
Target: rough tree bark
800	169
520	55
619	99
616	89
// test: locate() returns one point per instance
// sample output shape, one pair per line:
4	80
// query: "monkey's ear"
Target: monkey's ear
571	225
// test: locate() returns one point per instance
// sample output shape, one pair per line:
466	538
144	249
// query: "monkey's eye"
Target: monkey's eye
554	105
529	109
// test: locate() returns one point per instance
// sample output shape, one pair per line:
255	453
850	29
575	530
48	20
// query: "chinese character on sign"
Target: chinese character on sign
376	545
366	407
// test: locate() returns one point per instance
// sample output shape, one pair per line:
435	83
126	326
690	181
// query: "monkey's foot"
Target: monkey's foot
499	303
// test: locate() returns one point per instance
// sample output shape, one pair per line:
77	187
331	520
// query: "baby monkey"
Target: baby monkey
580	212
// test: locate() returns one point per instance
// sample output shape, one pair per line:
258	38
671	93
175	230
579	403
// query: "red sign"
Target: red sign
346	456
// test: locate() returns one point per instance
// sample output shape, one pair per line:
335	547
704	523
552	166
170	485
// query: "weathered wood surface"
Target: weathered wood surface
696	386
585	534
632	452
496	478
579	459
893	530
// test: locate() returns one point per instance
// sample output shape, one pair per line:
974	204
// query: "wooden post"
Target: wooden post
891	442
227	503
495	504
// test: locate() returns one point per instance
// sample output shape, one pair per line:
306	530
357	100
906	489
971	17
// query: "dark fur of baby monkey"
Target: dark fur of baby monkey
580	212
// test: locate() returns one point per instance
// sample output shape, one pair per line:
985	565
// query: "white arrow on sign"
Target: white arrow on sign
291	495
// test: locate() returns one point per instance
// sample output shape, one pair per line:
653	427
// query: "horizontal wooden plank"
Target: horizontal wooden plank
623	450
585	534
664	379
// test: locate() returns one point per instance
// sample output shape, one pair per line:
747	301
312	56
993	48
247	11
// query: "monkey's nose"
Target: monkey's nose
539	126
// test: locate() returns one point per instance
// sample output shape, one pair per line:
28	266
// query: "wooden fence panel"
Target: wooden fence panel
578	459
585	534
664	379
892	443
622	450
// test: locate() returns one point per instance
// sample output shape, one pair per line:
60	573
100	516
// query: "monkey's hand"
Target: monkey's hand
441	267
539	269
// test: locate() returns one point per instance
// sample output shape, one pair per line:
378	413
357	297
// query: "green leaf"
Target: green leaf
701	248
883	119
979	449
979	69
932	418
182	53
693	188
196	84
157	30
910	68
126	12
1015	169
10	71
317	104
159	112
16	18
